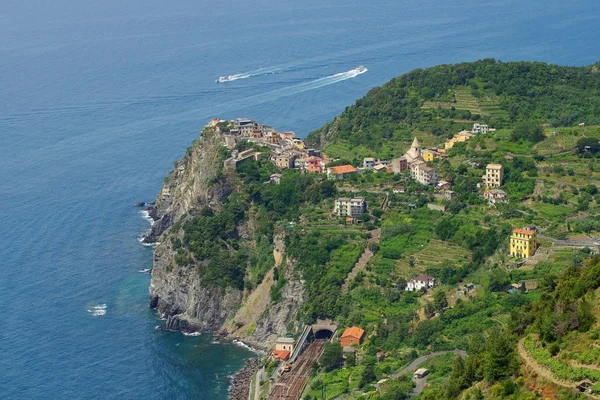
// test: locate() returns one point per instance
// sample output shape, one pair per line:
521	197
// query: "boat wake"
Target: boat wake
98	310
246	75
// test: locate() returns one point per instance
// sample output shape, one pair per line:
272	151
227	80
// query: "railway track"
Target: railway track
291	384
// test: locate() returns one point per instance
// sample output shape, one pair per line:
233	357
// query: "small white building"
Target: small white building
368	162
480	129
420	282
350	207
275	178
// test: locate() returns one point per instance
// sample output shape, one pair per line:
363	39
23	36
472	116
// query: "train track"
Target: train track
291	384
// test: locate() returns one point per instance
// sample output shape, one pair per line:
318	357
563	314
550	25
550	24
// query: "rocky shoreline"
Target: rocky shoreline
240	383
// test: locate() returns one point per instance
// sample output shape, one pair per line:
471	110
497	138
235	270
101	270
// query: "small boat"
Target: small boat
225	78
360	69
145	270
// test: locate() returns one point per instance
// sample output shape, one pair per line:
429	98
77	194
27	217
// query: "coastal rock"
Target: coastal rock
176	291
178	295
189	186
240	384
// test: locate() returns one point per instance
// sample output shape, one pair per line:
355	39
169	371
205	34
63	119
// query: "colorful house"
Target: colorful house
340	171
352	336
523	243
428	155
494	175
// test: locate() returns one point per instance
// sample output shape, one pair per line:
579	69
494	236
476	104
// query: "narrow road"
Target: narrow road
413	366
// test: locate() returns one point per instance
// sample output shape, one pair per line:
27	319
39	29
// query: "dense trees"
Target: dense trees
526	91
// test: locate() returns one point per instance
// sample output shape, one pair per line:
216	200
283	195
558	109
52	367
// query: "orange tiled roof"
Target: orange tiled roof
281	354
343	169
355	331
523	231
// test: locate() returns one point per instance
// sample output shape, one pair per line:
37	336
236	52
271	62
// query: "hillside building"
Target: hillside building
428	155
479	129
350	207
340	171
523	243
494	175
352	336
423	174
494	196
420	282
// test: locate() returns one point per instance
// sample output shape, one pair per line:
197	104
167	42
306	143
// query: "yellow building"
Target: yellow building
494	175
449	143
428	155
522	243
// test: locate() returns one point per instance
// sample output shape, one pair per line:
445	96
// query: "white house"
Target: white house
480	129
353	207
420	282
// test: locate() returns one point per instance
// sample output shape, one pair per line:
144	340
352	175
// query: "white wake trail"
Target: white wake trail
294	89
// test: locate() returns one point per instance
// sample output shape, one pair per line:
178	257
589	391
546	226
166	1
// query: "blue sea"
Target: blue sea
99	98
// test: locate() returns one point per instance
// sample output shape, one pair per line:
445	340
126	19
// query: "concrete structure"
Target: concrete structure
284	161
420	282
237	159
380	168
340	171
323	329
523	243
494	196
399	189
436	207
494	175
423	174
352	336
275	178
348	207
480	129
449	195
285	343
420	373
368	162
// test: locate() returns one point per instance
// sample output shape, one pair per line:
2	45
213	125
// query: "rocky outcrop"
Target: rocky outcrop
177	292
258	321
179	296
240	384
190	185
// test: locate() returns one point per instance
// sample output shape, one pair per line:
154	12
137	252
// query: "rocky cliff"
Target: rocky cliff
177	290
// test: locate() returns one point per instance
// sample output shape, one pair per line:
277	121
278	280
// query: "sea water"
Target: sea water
99	98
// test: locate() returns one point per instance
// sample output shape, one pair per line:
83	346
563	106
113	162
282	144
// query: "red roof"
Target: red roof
354	332
343	169
524	231
281	354
424	278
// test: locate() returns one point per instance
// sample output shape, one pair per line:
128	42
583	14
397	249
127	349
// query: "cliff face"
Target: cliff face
176	290
188	187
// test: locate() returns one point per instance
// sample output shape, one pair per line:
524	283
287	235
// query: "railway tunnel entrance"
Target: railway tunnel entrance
323	330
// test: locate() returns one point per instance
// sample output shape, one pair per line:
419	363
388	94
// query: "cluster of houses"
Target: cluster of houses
465	135
287	151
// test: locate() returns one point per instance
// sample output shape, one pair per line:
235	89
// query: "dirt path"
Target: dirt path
362	262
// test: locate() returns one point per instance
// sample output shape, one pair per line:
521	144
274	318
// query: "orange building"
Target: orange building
314	166
353	335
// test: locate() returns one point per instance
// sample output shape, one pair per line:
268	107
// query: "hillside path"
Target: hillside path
361	264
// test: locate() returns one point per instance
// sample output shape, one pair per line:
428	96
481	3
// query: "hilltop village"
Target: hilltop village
437	240
293	356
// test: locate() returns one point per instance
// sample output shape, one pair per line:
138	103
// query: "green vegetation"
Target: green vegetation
447	98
